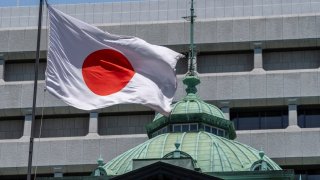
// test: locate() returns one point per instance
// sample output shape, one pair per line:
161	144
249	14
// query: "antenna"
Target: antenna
192	53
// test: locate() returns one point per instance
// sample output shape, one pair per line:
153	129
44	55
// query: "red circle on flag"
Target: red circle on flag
106	71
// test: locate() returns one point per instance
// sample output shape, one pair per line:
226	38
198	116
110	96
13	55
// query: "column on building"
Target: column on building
292	113
93	123
225	108
57	172
27	126
2	68
257	57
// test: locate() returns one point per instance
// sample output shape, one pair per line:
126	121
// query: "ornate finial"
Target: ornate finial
100	161
191	82
177	152
261	154
177	145
192	53
261	164
100	171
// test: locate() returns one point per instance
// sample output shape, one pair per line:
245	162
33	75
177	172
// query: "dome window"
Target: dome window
160	131
214	130
185	127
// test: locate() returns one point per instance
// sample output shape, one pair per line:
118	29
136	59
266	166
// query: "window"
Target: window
307	172
124	123
64	125
309	116
23	70
185	127
260	118
240	61
177	128
214	130
207	129
160	131
291	59
11	127
163	130
193	127
220	132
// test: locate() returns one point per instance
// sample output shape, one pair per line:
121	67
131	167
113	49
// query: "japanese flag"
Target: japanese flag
91	69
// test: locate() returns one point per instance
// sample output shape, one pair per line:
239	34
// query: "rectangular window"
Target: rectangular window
220	132
164	130
247	120
214	131
124	123
260	118
185	127
62	125
312	120
207	129
285	60
11	127
176	128
309	116
273	120
225	62
193	127
201	127
23	70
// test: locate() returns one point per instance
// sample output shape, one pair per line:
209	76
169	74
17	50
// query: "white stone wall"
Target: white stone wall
228	80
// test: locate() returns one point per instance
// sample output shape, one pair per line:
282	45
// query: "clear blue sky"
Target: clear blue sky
4	3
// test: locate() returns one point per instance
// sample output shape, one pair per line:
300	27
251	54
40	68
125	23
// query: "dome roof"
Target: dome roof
193	105
212	153
191	109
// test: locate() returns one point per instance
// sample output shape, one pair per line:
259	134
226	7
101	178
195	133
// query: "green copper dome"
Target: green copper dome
191	109
211	153
196	131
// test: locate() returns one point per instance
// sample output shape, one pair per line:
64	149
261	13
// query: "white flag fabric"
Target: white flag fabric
91	69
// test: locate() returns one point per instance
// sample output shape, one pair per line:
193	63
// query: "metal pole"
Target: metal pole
35	92
192	51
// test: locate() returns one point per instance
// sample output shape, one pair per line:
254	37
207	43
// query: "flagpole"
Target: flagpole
35	86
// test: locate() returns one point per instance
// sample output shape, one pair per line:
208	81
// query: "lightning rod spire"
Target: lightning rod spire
192	69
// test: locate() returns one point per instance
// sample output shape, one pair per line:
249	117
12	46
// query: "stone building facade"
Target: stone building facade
258	61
